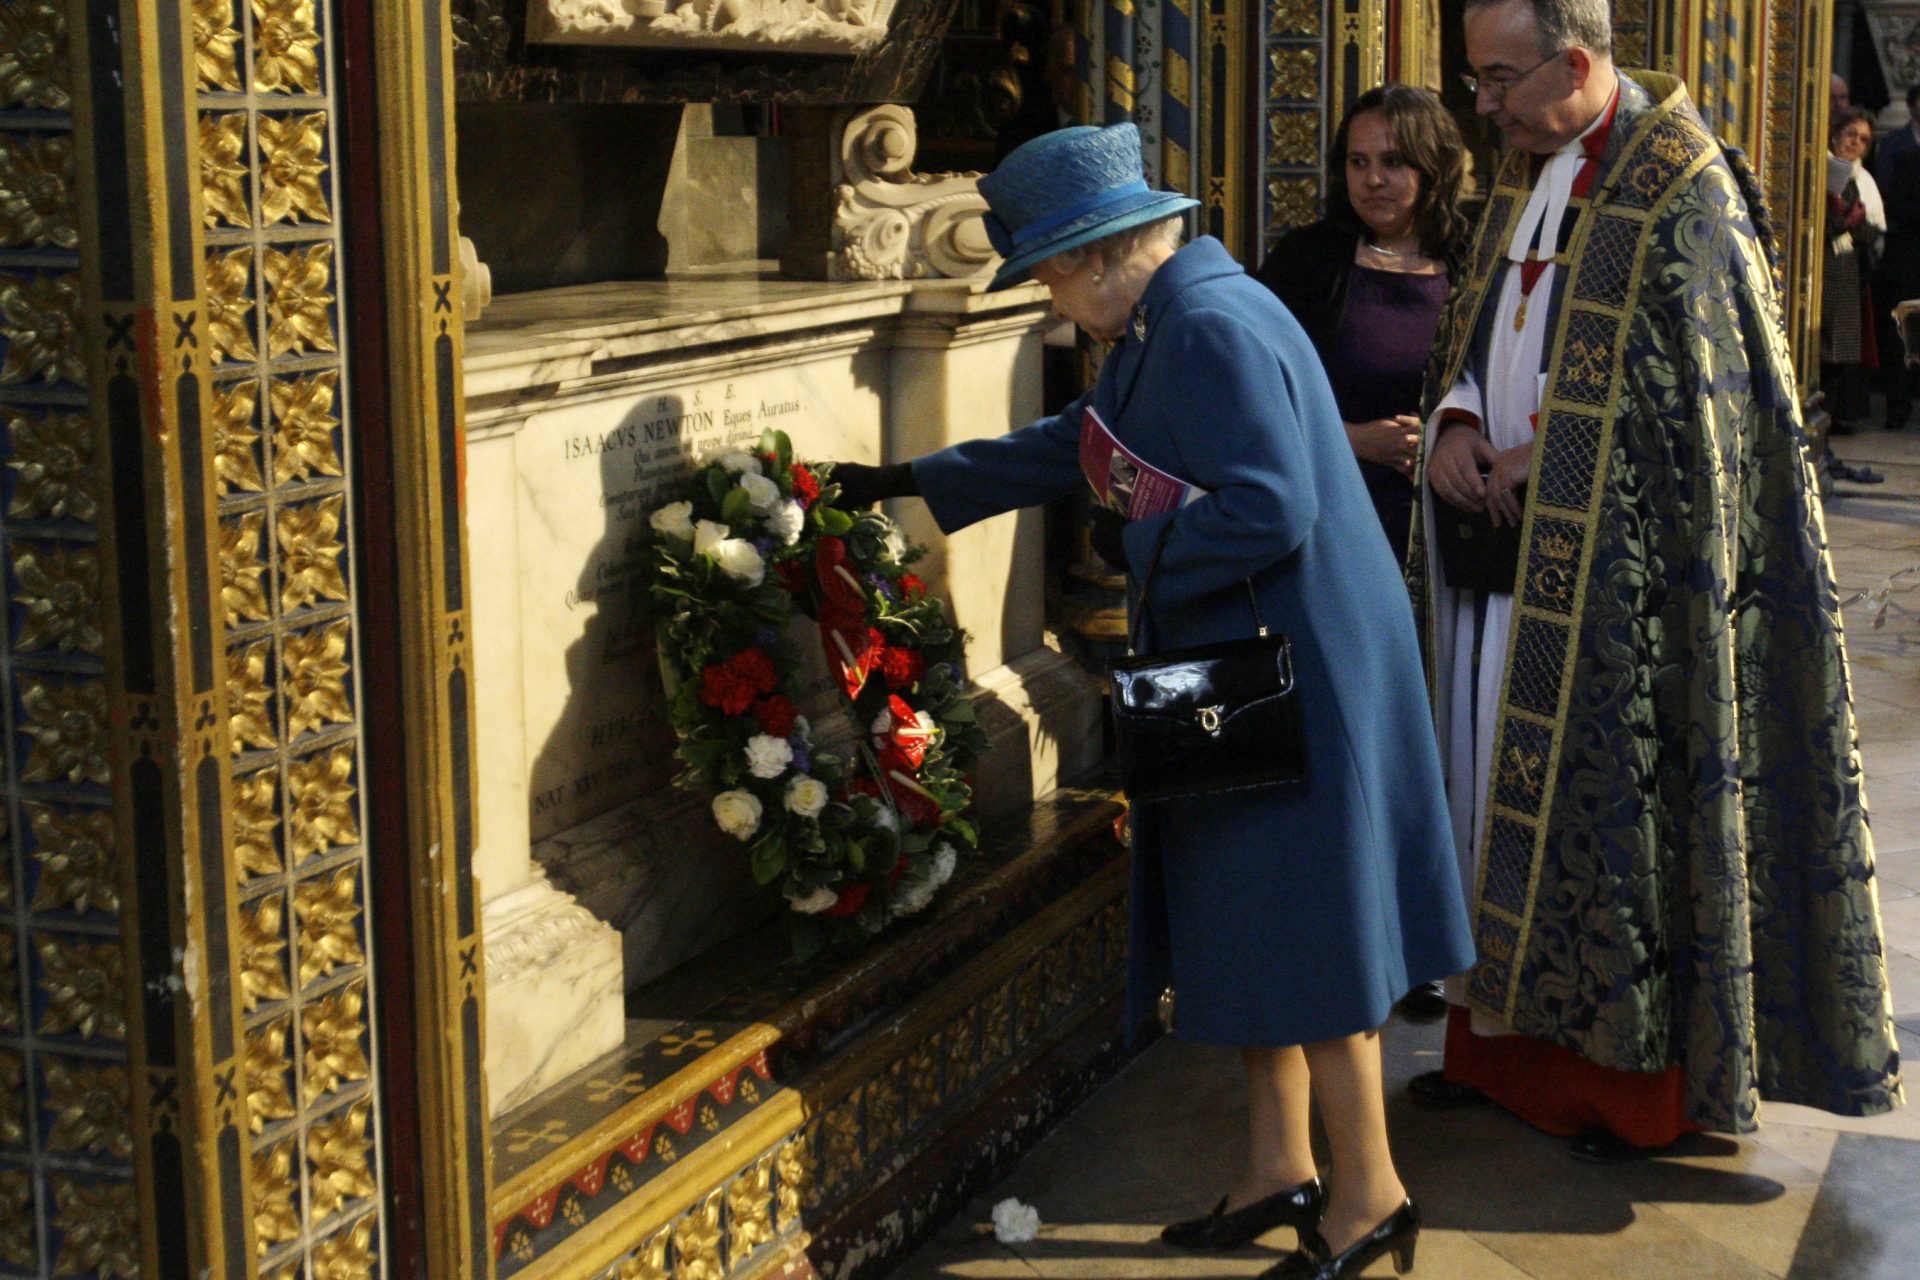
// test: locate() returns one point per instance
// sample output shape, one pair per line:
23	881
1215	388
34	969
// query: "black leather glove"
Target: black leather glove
1106	530
862	485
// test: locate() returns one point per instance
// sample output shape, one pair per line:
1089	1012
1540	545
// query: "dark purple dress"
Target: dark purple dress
1375	359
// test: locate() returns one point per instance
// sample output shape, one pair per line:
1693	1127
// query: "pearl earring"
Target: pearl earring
1098	276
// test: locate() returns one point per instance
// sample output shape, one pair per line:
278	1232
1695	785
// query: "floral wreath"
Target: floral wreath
852	843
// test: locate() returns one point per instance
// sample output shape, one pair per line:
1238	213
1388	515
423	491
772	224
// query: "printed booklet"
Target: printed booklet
1122	480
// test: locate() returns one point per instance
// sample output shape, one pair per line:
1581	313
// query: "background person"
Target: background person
1855	223
1896	171
1651	754
1346	877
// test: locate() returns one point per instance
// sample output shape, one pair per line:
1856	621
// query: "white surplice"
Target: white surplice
1504	395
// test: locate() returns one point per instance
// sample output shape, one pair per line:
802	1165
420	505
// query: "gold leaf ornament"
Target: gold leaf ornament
291	148
334	1028
339	1153
59	599
75	851
322	791
234	464
52	466
68	725
263	973
83	984
33	55
229	308
303	427
268	1095
310	555
89	1106
696	1243
214	41
255	824
36	191
276	1217
223	168
316	669
328	908
284	40
298	300
13	1109
249	699
241	569
347	1254
17	1244
98	1235
40	319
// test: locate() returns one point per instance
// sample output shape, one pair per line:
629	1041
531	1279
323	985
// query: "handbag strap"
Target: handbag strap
1146	589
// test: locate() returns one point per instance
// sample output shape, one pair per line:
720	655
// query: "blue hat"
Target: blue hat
1065	189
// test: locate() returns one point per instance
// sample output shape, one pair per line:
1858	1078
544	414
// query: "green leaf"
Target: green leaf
718	483
736	508
769	858
835	521
960	711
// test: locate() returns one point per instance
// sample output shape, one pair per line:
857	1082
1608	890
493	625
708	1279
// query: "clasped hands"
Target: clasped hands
1467	471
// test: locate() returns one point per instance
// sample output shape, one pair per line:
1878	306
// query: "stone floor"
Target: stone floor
1809	1196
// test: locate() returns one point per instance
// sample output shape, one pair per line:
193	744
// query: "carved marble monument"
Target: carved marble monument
791	26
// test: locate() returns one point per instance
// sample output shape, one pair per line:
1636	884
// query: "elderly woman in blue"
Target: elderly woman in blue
1288	920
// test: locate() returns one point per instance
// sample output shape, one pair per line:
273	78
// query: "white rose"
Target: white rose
806	796
763	493
707	533
814	903
675	520
896	543
945	857
786	522
737	812
740	464
738	560
885	819
768	756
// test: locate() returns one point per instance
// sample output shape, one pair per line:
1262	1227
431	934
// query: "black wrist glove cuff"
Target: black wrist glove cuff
1106	530
862	485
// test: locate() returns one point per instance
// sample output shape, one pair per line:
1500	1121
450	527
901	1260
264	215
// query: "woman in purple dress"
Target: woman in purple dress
1368	281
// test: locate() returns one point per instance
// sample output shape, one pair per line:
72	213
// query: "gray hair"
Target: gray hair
1123	244
1565	23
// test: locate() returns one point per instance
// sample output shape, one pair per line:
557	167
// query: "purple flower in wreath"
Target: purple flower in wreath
879	580
802	758
765	636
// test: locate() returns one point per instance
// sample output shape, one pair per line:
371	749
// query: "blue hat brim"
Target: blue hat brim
1150	206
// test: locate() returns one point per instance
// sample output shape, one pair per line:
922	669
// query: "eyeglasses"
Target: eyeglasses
1499	88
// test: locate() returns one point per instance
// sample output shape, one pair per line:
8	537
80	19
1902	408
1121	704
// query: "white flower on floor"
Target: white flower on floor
806	796
768	756
675	520
945	857
1015	1223
737	812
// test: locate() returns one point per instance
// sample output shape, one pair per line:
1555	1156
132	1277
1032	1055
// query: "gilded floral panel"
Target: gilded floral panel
82	987
40	320
324	813
263	952
286	42
13	1101
236	438
87	1108
52	465
300	296
333	1031
73	859
315	664
18	1243
97	1228
293	168
328	909
33	56
36	192
270	1073
340	1160
216	45
57	589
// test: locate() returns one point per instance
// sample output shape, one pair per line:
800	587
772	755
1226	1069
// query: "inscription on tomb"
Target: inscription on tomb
591	474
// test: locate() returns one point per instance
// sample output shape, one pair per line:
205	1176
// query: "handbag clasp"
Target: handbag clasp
1210	718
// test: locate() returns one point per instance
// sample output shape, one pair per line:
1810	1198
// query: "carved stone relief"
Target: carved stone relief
891	223
786	26
1896	38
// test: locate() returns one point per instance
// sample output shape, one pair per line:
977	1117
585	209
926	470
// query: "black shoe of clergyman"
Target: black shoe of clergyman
1432	1089
1295	1207
1315	1259
1425	1003
1600	1145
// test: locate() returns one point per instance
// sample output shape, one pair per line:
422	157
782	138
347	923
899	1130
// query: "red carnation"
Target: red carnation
805	487
755	668
793	576
851	899
902	667
911	587
776	715
720	687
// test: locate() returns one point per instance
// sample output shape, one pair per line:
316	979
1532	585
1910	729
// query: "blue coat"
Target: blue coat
1287	915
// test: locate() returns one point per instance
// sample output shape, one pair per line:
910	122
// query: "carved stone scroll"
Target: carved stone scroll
890	223
783	26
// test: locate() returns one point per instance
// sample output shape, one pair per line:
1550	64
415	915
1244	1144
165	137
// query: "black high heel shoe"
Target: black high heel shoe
1315	1259
1299	1207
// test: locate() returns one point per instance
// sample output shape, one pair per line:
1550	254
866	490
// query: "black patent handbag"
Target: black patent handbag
1207	718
